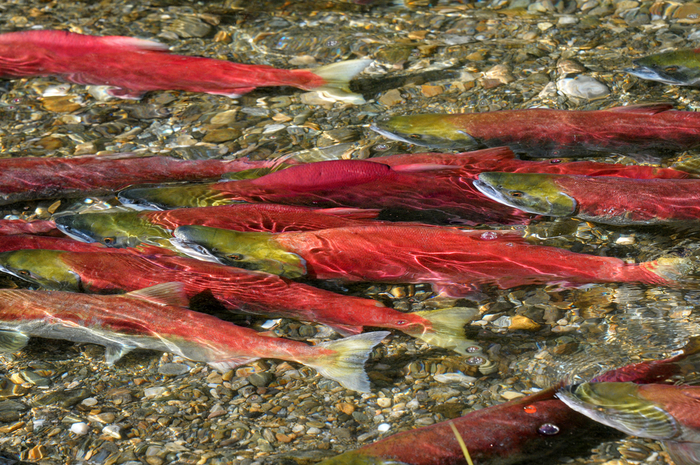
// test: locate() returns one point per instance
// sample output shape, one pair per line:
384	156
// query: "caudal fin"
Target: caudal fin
672	271
347	364
448	329
338	76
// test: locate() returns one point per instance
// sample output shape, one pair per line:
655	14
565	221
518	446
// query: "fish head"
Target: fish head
41	267
248	250
123	229
431	130
620	406
530	192
678	67
166	197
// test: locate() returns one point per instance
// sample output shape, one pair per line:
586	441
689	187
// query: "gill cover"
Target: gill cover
530	192
249	250
431	130
42	267
619	405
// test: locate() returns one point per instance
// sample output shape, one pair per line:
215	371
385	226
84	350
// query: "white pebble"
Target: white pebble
313	431
89	402
384	427
567	19
79	428
583	87
454	378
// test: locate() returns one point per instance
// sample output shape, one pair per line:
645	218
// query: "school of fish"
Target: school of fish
263	242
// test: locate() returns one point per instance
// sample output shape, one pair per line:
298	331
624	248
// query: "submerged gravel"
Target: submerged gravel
60	403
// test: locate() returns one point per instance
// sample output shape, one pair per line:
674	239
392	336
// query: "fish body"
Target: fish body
128	229
434	187
131	67
32	178
525	430
14	227
434	191
669	413
677	67
237	289
615	201
453	260
26	241
148	319
537	132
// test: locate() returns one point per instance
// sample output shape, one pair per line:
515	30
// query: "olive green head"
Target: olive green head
120	229
164	198
356	457
678	67
249	250
620	406
41	267
431	130
530	192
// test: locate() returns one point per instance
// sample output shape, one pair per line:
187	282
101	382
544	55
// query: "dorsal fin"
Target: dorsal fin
163	294
323	175
644	108
135	43
421	167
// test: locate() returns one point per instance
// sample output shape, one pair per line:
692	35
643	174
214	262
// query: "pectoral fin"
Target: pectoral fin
12	341
683	453
114	353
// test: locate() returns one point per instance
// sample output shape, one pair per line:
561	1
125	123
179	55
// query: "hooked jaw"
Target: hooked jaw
248	250
530	192
620	406
435	131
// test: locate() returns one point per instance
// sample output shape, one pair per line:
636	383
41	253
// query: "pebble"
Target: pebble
391	98
112	431
584	87
80	428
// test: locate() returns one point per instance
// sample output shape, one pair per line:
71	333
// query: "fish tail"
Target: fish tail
671	270
347	364
448	329
337	77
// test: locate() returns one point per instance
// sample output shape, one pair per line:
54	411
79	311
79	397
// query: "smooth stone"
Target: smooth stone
173	369
261	379
79	428
584	87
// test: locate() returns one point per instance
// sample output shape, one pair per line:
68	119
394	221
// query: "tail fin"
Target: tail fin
448	329
338	76
346	365
672	270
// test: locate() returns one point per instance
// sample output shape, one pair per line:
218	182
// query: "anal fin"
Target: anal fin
12	341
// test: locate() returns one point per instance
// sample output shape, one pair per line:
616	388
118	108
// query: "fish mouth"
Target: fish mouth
425	140
194	250
72	232
494	194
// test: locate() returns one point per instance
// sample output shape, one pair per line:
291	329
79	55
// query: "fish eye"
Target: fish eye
24	273
517	194
235	256
108	240
415	136
671	69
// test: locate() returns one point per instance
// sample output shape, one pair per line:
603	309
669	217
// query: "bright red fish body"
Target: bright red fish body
32	178
155	319
436	187
132	67
527	429
540	132
237	289
448	258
